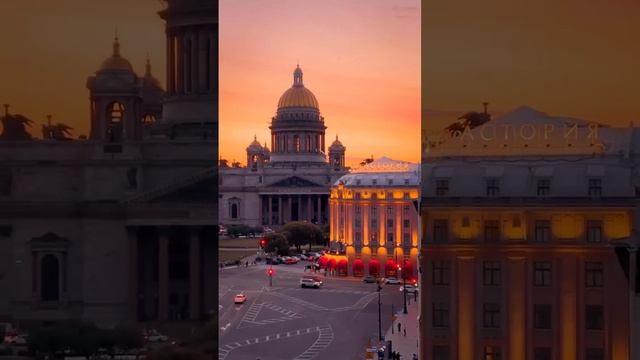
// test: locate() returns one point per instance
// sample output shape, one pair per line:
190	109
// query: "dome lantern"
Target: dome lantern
116	61
298	96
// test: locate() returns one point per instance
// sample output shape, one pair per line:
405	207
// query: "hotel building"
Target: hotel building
374	218
529	231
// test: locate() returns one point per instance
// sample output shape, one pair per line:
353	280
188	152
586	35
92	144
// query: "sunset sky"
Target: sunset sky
578	58
361	59
49	48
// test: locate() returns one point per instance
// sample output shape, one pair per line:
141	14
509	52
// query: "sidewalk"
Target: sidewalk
405	345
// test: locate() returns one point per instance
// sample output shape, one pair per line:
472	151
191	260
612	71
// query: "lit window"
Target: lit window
491	316
542	231
492	353
594	274
542	273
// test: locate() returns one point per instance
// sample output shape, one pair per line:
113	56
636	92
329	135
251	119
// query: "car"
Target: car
409	288
14	338
152	335
310	281
240	299
369	279
392	280
291	260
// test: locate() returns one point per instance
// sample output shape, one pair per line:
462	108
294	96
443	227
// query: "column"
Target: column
319	208
261	210
465	308
132	236
194	274
179	65
568	311
163	274
170	64
300	207
516	309
269	209
309	209
280	212
195	71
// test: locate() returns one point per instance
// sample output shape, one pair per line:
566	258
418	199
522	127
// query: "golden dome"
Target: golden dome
116	62
298	95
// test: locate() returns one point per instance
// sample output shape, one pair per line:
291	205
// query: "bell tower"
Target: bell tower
190	108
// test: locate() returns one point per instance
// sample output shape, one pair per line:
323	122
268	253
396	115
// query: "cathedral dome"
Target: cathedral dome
115	61
336	145
255	145
298	95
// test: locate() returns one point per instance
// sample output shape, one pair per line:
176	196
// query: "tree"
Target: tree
277	241
224	163
300	233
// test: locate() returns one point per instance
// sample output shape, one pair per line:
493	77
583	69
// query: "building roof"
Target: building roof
298	95
383	172
116	61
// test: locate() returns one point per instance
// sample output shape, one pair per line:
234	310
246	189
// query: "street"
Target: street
286	321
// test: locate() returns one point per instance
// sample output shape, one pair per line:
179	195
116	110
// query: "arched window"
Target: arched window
308	143
234	211
148	119
49	278
254	162
296	141
115	117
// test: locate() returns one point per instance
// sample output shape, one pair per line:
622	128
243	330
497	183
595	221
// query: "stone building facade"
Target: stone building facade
121	227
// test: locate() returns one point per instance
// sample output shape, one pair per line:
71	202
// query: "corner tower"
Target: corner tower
297	130
190	107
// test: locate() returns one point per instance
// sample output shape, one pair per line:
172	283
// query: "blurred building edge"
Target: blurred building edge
119	227
527	243
374	219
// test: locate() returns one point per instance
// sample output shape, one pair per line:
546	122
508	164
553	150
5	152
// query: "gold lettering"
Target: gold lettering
548	128
532	134
506	130
593	131
573	129
493	132
467	132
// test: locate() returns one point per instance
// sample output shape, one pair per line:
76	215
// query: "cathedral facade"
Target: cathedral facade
119	227
290	181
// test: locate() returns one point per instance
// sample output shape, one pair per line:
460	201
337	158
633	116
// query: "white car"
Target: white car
16	339
409	288
240	299
310	282
392	280
152	335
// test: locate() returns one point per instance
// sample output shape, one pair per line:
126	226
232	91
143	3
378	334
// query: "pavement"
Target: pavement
406	345
285	321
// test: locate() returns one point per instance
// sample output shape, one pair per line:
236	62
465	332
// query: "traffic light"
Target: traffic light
270	272
263	243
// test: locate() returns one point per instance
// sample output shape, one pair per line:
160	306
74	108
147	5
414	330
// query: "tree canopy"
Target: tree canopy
277	241
300	233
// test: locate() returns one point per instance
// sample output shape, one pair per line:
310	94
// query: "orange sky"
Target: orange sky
575	57
361	58
49	48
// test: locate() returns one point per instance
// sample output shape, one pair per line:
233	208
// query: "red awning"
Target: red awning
407	269
374	267
323	261
332	264
390	266
358	265
342	264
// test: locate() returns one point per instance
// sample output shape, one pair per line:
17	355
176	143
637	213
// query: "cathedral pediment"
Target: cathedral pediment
295	182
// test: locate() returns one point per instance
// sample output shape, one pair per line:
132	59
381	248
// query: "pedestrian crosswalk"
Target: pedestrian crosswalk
360	304
325	338
337	291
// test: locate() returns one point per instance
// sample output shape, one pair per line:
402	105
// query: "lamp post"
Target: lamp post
270	273
404	289
379	312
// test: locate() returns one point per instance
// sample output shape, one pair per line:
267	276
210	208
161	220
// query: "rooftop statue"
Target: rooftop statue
14	127
59	131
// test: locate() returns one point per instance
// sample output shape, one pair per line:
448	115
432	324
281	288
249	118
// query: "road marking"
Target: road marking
325	337
360	304
249	318
337	291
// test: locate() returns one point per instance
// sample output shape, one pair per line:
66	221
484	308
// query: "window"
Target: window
594	317
595	188
374	211
491	316
594	276
542	273
542	316
406	196
389	210
357	196
594	354
390	237
594	231
405	210
357	208
358	222
358	237
407	239
440	229
491	352
542	353
491	275
115	116
442	187
390	223
374	181
493	187
406	224
390	181
49	278
234	211
440	315
441	352
542	231
440	274
374	223
491	231
544	187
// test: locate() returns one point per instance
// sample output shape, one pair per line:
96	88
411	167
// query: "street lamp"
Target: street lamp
270	274
379	312
404	287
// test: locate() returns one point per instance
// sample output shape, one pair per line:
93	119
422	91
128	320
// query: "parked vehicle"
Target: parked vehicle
152	335
369	279
291	260
392	280
409	288
310	281
15	338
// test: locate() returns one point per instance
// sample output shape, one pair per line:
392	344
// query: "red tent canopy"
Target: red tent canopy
374	267
407	269
390	266
323	261
358	265
332	263
342	264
